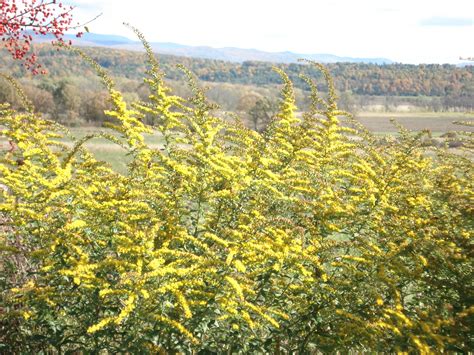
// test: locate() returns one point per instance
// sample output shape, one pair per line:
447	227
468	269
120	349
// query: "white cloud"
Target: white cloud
363	28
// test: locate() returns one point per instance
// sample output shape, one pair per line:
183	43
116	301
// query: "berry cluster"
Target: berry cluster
20	20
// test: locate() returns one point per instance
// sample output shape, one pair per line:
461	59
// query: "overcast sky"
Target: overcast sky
409	31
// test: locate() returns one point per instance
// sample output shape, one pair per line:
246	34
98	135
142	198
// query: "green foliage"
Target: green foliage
309	236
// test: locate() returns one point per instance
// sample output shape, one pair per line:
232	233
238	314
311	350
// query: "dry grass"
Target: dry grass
378	122
436	122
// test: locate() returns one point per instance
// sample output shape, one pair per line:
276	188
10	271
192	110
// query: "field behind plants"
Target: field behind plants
380	123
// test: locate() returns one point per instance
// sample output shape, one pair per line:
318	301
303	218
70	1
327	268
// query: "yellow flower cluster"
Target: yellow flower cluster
226	237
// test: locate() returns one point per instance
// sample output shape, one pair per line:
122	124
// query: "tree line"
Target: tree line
71	94
360	78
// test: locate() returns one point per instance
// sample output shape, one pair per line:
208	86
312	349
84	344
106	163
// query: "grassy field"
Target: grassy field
378	122
102	148
108	151
437	122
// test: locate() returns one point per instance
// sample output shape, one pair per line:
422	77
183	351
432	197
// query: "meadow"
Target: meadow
380	123
437	122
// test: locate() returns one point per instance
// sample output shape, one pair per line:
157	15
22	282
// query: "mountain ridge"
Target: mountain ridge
231	54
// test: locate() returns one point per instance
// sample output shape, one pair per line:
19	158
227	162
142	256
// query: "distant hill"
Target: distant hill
355	78
71	92
230	54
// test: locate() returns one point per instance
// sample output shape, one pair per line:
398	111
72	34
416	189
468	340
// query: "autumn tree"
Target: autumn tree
262	112
23	19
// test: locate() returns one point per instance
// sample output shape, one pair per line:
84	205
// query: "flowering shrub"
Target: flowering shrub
310	236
